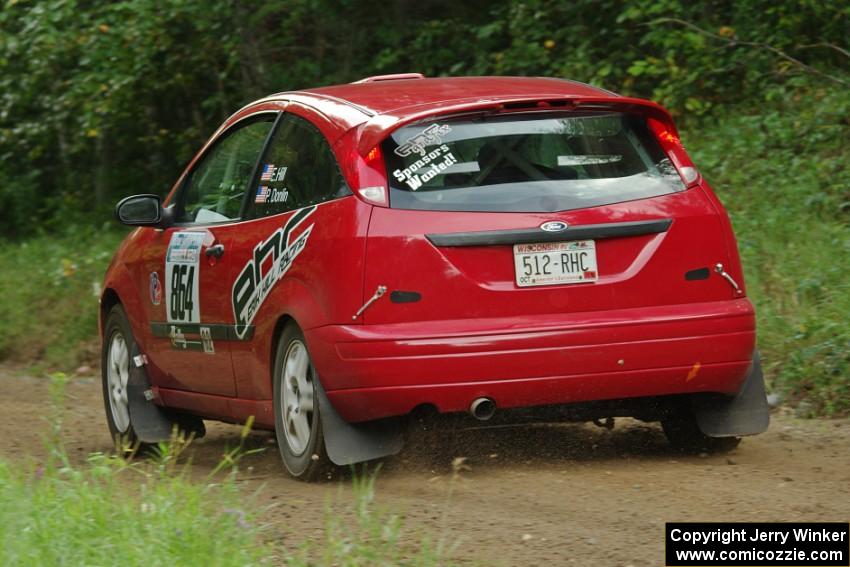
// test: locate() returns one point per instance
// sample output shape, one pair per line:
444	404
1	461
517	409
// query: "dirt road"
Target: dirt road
533	495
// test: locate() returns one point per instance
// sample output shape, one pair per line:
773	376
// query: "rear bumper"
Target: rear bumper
375	371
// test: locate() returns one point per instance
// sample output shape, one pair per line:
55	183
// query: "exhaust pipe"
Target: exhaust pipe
482	408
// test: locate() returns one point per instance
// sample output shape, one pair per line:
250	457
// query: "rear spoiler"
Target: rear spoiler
378	127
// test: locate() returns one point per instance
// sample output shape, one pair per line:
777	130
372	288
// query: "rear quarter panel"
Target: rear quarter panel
324	285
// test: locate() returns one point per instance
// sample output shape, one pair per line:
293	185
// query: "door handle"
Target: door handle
216	251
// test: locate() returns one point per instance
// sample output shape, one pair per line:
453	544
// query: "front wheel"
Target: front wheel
298	423
118	344
132	431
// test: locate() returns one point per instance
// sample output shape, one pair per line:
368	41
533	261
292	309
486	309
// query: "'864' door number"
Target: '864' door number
181	303
181	276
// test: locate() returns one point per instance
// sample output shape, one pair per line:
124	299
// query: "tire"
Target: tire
684	435
190	426
118	344
115	369
298	423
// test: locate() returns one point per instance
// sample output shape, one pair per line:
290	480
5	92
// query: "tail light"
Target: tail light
368	177
672	146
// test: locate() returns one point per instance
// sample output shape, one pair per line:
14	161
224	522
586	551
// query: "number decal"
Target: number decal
182	293
182	265
175	300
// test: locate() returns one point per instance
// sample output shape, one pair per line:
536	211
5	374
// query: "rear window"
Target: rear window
526	164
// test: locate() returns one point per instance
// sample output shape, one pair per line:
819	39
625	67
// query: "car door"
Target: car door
299	255
189	263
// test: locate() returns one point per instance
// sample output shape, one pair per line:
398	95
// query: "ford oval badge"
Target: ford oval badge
554	226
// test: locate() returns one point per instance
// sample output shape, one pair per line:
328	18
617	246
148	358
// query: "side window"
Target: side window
217	185
298	170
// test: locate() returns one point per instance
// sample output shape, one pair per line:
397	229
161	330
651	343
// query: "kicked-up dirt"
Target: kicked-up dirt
523	495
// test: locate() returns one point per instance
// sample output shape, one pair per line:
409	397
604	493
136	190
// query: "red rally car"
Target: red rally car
337	258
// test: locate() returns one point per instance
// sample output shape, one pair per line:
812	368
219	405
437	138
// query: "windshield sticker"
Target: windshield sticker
253	285
279	196
430	136
272	172
266	194
182	271
413	174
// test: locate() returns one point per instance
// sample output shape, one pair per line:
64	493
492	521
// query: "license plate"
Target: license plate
555	263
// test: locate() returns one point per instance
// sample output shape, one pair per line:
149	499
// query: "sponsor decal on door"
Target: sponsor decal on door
271	260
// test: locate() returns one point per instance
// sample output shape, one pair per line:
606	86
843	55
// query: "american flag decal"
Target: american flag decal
268	171
262	194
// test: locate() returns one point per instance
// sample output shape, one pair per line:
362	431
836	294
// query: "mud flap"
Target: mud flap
735	416
149	421
350	443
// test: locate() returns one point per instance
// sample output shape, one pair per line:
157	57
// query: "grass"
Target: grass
112	510
116	511
49	288
781	170
365	535
109	513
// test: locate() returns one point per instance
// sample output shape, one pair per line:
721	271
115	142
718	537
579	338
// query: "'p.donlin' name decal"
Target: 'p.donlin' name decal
252	286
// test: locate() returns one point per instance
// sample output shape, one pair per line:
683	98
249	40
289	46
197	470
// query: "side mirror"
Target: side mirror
140	210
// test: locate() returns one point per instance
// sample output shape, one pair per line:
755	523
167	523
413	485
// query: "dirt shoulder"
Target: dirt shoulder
534	495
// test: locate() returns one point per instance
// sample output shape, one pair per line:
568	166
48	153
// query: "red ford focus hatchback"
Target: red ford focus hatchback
338	258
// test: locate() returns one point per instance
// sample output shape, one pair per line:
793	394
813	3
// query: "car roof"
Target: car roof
376	106
381	96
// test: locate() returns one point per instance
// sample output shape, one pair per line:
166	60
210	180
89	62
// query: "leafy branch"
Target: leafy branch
734	42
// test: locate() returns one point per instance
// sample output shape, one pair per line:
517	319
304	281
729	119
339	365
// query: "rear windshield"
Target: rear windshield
526	164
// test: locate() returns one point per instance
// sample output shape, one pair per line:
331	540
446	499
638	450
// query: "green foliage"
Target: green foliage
49	289
114	510
90	516
117	510
101	100
782	174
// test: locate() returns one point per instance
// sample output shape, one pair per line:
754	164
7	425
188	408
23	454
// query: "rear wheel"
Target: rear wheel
685	436
298	423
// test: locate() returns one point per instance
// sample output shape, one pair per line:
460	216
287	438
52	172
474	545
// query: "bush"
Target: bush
782	174
49	289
